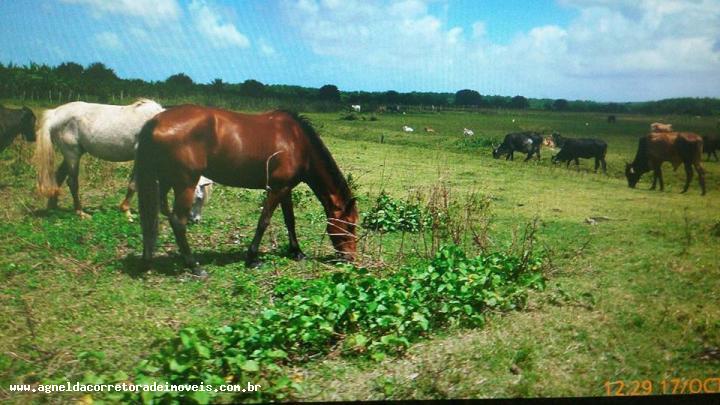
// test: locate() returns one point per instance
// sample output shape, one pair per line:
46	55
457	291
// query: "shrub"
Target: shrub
391	215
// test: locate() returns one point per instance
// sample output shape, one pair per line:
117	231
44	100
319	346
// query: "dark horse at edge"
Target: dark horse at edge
274	151
14	122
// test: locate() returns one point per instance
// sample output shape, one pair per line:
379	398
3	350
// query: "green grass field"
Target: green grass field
632	297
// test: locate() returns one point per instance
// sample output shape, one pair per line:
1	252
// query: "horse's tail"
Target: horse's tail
45	156
147	189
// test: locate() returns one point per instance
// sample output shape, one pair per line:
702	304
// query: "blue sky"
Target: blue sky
605	50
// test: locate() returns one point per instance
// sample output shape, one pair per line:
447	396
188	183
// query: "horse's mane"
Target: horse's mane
322	150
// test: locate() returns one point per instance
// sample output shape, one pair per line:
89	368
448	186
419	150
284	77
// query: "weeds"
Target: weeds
392	215
351	311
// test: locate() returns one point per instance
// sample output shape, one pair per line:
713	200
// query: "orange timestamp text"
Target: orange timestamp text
665	386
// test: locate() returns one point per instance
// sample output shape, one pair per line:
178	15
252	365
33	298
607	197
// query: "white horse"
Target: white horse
108	132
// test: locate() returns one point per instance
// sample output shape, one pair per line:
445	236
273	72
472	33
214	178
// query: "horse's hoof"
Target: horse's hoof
298	256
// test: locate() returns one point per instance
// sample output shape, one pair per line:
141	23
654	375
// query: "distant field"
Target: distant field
632	297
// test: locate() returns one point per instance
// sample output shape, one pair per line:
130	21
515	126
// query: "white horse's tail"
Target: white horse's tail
45	156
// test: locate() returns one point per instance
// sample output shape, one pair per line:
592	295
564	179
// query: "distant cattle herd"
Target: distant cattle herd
662	144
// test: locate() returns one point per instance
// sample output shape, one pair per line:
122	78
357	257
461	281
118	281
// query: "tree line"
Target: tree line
70	81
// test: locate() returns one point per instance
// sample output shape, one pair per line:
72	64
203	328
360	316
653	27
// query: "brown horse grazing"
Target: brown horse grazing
659	147
273	151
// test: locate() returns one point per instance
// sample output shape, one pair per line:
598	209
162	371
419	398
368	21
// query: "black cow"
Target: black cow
525	142
14	122
711	143
611	119
573	149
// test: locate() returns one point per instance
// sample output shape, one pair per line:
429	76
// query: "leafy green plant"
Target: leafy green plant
352	309
392	215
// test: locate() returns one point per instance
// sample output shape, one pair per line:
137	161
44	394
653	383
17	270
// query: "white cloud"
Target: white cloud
139	34
399	34
210	24
479	29
109	40
152	11
612	49
266	48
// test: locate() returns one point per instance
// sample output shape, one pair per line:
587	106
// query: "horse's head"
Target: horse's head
341	228
28	124
632	175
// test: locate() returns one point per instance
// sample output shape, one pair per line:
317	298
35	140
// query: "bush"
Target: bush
391	215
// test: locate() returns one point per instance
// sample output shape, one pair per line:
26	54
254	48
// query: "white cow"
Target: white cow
406	128
356	107
468	132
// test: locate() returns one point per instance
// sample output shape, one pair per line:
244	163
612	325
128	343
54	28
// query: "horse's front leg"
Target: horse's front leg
271	202
289	215
178	221
125	204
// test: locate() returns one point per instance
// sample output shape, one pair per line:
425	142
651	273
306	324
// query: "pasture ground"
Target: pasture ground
630	298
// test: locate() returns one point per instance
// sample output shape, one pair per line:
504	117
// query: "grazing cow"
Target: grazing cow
660	127
429	129
674	147
356	107
14	122
526	142
468	132
711	143
573	149
611	119
406	128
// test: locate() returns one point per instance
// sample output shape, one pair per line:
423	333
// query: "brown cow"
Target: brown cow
673	147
